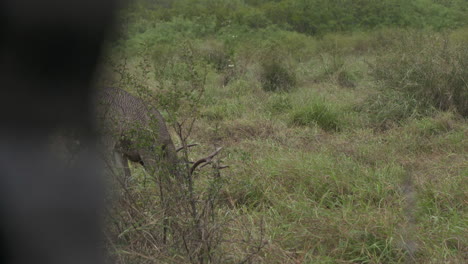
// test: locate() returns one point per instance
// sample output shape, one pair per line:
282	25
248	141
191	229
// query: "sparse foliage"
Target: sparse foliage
162	216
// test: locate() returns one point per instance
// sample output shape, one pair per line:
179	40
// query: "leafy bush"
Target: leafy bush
215	53
426	67
253	18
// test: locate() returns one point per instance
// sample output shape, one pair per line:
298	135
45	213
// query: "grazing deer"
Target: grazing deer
133	131
130	131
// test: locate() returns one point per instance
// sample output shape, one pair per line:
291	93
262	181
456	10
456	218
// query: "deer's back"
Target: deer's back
121	113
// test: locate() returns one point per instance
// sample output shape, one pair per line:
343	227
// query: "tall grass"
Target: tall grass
317	113
321	171
428	68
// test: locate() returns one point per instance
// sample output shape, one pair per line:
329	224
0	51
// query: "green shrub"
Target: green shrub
215	53
317	113
359	42
275	76
253	18
142	34
426	67
385	38
300	47
345	43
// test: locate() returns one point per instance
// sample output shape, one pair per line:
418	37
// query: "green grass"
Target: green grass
316	113
328	173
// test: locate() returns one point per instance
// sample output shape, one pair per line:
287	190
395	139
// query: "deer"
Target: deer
133	131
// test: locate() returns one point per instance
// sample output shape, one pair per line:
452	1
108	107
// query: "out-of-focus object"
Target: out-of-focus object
49	49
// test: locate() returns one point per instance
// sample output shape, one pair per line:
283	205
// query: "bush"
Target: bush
345	43
300	47
276	77
252	18
428	68
215	53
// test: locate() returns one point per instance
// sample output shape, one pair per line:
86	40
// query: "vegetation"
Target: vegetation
343	124
429	67
313	16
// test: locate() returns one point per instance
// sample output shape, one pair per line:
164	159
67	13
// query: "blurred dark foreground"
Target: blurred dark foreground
49	50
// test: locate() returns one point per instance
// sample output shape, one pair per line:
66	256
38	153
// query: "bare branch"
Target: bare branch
207	159
188	146
219	167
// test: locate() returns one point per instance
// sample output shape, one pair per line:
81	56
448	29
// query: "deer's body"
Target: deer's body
133	131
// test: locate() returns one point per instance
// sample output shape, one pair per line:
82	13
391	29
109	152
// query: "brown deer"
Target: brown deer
134	131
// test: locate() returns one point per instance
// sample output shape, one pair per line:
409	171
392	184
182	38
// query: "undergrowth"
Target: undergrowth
343	148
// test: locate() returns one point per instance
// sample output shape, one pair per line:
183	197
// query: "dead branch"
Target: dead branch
219	167
206	160
188	146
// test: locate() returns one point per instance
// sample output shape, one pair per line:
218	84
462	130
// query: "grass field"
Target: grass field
348	148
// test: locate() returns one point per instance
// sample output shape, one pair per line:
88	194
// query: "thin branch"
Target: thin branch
188	146
207	159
